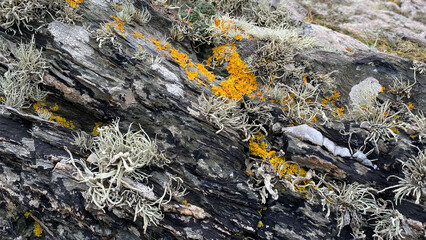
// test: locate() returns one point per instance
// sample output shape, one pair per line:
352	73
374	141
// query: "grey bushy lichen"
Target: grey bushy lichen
414	180
105	34
116	175
348	201
299	102
266	15
129	13
229	117
28	13
380	121
264	178
388	224
19	85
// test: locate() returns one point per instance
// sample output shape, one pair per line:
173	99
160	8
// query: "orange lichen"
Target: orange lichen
180	58
40	107
259	148
223	25
97	126
305	79
62	121
54	108
118	24
137	34
410	106
395	130
37	229
210	76
160	45
331	99
339	111
191	75
240	81
74	3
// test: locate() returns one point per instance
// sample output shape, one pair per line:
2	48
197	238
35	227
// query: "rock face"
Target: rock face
91	84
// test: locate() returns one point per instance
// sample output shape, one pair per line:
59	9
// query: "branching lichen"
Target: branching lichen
349	202
380	121
142	16
401	88
417	124
414	180
389	223
127	12
19	84
229	117
116	176
27	13
106	35
83	140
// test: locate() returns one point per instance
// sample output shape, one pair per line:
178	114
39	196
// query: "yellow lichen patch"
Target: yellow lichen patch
160	45
191	75
137	34
260	224
339	111
210	76
118	24
223	24
74	3
97	126
259	148
410	106
62	121
395	130
180	58
305	78
27	214
37	229
240	81
40	107
333	97
54	108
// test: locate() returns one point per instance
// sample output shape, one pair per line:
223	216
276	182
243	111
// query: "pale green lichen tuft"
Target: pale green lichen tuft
19	85
414	180
118	179
229	117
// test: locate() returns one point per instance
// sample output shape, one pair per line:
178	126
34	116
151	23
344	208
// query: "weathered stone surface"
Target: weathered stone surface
93	85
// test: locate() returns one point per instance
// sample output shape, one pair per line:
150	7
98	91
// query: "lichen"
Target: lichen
44	112
37	229
119	177
258	147
75	3
241	80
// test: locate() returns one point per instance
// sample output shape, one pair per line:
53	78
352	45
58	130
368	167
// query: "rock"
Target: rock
91	86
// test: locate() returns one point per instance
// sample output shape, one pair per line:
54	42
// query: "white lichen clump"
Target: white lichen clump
115	173
19	85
